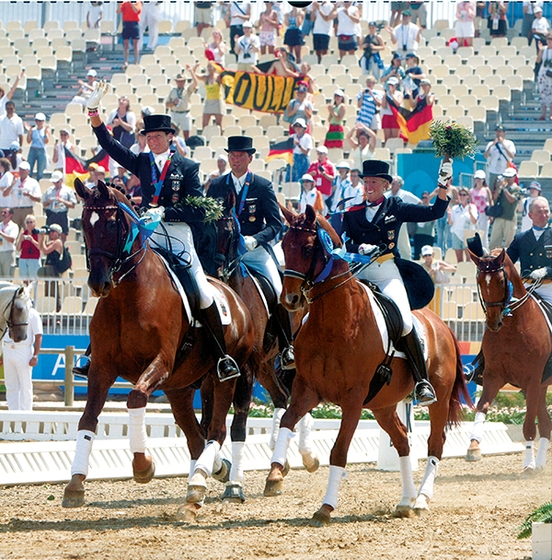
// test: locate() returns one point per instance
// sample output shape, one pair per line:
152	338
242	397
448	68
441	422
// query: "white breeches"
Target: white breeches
181	243
18	376
263	263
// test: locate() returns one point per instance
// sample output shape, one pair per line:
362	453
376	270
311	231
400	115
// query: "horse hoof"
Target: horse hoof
73	499
320	518
186	514
420	505
310	462
528	472
196	494
273	488
473	455
145	476
233	493
287	468
223	474
404	509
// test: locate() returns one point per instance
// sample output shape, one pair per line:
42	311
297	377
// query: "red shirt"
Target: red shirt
128	12
320	182
28	250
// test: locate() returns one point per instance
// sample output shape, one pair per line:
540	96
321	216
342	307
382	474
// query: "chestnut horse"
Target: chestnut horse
337	352
141	332
516	346
261	362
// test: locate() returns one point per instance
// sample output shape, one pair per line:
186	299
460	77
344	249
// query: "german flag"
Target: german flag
414	124
282	150
75	166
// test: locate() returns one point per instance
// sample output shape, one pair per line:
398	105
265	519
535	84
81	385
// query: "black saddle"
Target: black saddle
266	287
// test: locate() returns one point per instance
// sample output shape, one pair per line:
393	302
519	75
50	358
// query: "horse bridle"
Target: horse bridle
9	323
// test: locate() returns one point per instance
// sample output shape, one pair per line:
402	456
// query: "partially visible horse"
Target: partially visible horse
141	332
337	352
14	311
516	346
260	365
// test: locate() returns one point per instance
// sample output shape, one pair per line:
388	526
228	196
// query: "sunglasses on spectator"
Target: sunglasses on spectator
463	194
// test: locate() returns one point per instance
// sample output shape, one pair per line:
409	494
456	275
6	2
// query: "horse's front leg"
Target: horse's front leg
311	462
532	398
73	495
156	373
491	386
303	399
338	460
545	428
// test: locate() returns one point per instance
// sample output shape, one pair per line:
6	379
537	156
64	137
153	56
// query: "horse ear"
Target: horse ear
81	190
475	259
288	214
500	258
310	214
102	188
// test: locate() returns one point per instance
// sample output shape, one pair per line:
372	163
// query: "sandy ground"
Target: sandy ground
474	514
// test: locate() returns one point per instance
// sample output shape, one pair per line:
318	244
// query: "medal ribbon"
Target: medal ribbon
158	183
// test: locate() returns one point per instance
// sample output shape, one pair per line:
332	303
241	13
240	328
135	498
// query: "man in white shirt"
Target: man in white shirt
498	153
24	194
348	28
8	234
11	127
152	14
240	12
407	35
247	48
323	14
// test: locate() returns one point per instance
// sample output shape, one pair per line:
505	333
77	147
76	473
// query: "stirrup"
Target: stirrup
82	371
425	394
227	368
287	358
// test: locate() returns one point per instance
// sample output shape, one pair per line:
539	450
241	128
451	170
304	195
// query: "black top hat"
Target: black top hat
153	123
240	144
376	168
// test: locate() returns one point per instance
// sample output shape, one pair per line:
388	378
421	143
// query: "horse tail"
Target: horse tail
459	390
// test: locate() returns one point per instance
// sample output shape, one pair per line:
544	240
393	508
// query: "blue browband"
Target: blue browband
144	225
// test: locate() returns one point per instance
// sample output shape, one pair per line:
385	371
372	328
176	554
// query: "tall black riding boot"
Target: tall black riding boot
423	389
227	368
287	354
82	371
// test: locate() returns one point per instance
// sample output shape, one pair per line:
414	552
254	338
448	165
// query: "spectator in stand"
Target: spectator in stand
293	38
203	16
507	194
247	48
480	8
497	22
528	18
407	35
323	173
217	47
123	123
396	10
362	140
56	203
152	14
299	107
419	14
130	12
282	66
535	191
394	70
424	232
11	128
348	25
38	136
463	217
269	24
539	28
308	80
7	181
345	194
424	98
368	103
544	62
499	153
323	14
5	97
465	28
240	12
53	250
310	195
214	104
435	268
482	197
8	235
178	101
222	165
393	98
302	145
371	61
24	193
94	15
86	88
14	156
28	248
121	177
413	76
59	150
336	117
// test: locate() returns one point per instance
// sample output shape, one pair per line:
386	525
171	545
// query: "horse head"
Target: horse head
15	304
226	258
495	272
305	254
106	228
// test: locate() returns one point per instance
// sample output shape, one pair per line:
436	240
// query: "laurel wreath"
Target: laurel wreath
453	140
212	207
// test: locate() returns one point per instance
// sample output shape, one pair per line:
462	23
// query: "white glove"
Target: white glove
101	88
445	173
154	214
366	248
541	273
250	242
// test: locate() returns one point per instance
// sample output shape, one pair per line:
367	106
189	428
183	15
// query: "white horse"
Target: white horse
14	310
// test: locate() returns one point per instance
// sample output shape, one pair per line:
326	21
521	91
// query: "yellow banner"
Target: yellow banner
258	92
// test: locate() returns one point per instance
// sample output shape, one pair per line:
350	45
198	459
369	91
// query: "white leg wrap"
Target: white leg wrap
305	428
137	429
217	463
541	453
85	438
529	461
426	487
207	458
236	472
477	430
281	447
408	487
192	468
334	480
276	418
